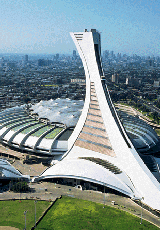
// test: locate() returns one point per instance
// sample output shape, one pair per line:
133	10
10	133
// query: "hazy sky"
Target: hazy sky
43	26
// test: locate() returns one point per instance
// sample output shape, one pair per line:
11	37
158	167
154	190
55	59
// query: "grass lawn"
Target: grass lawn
158	131
12	212
71	213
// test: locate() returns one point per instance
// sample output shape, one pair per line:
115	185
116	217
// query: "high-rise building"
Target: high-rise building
74	54
112	54
57	57
2	61
119	55
26	58
100	151
156	84
41	62
129	80
106	54
132	81
115	78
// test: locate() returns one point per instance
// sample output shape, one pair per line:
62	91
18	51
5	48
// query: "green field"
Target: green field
70	213
12	212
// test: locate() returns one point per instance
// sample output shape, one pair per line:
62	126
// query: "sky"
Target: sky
43	26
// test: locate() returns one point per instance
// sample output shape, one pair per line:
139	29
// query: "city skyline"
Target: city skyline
43	27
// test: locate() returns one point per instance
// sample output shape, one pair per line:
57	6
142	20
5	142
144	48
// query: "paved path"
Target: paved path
12	153
8	228
50	191
132	111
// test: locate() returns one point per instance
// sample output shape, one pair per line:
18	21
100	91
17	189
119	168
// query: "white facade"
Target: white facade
19	130
99	144
7	171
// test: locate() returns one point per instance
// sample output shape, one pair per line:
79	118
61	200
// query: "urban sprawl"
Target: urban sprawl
32	78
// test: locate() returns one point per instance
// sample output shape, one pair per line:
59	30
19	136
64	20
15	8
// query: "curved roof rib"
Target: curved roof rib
19	131
41	137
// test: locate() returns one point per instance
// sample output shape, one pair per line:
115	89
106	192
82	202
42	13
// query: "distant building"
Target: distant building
57	57
156	84
26	58
128	80
112	53
119	55
41	62
115	78
106	54
150	62
132	81
158	98
11	65
74	54
78	80
2	61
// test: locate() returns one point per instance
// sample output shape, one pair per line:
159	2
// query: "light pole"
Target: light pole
141	208
9	186
35	211
25	212
104	196
20	188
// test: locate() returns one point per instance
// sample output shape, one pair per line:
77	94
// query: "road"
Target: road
50	191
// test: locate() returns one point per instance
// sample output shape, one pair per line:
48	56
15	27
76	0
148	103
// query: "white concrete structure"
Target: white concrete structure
99	148
21	130
8	172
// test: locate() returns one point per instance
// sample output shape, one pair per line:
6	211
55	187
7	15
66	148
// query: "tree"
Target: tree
21	186
26	99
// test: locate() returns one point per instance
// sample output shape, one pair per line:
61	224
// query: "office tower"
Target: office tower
26	58
106	54
119	55
156	84
112	54
41	62
74	53
115	78
57	57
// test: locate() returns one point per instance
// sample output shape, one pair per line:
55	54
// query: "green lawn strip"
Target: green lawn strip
71	213
13	123
41	131
54	133
17	122
21	126
12	212
27	130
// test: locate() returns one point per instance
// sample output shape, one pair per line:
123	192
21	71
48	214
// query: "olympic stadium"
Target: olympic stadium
42	129
100	151
90	142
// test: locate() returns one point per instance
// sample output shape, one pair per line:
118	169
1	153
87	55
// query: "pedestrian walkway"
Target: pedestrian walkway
51	191
8	228
132	111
